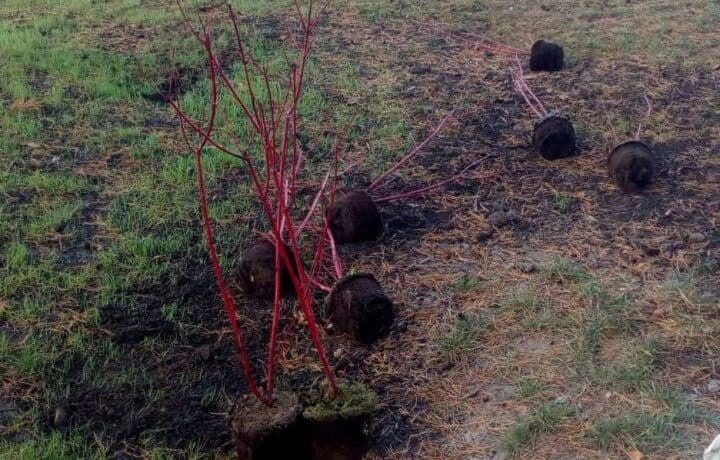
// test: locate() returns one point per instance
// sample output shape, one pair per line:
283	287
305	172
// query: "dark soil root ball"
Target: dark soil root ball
337	428
338	440
358	306
632	166
546	56
257	271
354	217
554	138
269	433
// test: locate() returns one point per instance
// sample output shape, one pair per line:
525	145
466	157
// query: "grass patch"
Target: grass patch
529	388
543	420
467	283
635	361
566	272
656	430
562	203
52	446
464	337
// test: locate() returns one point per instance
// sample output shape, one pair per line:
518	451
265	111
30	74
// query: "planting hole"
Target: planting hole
358	306
632	166
546	56
554	138
354	217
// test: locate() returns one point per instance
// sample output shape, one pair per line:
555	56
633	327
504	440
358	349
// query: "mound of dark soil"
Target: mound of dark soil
358	306
632	166
354	217
554	138
257	271
546	56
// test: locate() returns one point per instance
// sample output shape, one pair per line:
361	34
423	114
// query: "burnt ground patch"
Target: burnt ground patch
185	369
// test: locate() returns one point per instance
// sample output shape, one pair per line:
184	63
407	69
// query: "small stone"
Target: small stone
650	250
485	234
409	90
528	267
714	386
421	69
60	417
204	352
499	219
696	237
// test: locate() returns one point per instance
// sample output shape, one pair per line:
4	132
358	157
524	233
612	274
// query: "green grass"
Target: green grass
562	203
71	97
463	337
541	421
650	430
529	388
565	271
467	283
53	446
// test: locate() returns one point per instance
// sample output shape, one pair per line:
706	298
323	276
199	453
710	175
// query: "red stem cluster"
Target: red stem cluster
479	42
275	124
521	86
381	180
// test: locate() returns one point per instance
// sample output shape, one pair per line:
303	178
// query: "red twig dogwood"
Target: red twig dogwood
274	124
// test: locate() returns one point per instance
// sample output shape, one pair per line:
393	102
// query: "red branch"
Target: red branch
275	124
647	114
518	78
478	41
410	155
227	298
429	188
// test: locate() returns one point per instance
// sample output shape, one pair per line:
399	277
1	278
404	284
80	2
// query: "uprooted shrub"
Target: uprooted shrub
554	136
354	216
337	428
358	306
546	56
274	123
632	166
269	432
